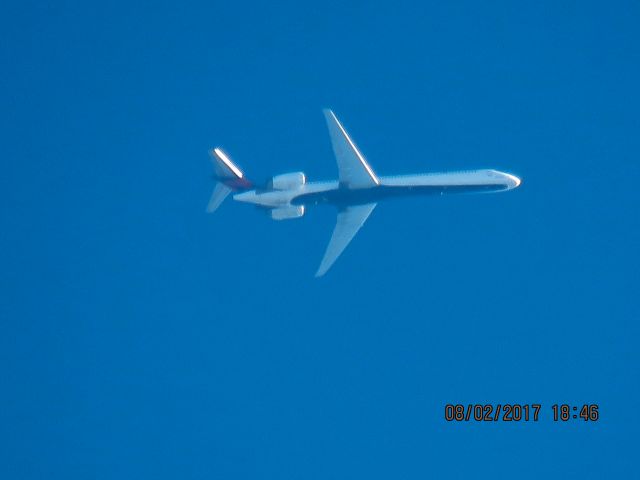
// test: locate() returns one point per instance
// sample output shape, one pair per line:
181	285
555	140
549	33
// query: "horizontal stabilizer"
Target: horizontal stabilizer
223	165
217	197
228	176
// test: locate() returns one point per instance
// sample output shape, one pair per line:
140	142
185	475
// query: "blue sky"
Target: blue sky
142	338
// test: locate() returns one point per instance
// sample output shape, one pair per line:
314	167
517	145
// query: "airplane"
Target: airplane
355	193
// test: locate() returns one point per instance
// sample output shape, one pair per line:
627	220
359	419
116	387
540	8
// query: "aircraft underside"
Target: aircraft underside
344	196
356	192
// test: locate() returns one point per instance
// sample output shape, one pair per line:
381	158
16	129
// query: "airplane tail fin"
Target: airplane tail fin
228	176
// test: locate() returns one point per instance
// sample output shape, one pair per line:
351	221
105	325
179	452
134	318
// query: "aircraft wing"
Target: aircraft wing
349	222
354	171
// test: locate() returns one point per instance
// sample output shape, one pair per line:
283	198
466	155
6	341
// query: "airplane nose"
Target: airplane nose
514	181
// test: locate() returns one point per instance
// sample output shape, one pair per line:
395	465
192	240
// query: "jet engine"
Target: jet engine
288	181
286	213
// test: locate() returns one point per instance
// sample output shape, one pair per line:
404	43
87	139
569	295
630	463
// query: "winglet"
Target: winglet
354	171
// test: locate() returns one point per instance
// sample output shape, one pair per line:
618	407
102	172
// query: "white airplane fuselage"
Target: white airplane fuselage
331	192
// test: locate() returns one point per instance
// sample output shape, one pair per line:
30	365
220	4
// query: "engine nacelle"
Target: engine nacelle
286	213
288	181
